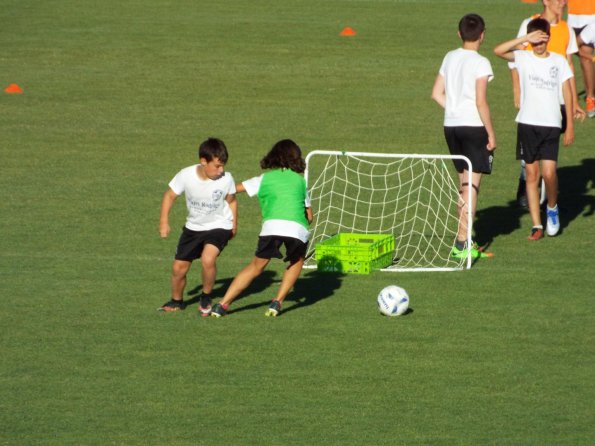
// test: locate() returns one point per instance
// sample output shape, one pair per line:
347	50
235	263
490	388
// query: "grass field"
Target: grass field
117	97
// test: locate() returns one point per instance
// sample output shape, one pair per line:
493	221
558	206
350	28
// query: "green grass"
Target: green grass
118	95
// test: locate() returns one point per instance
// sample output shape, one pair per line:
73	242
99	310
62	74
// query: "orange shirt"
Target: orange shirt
559	38
581	7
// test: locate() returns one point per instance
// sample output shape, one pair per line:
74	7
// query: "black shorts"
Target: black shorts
269	247
471	142
536	143
192	243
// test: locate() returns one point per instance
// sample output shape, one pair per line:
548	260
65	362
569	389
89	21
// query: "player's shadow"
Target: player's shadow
575	200
310	288
261	283
497	220
575	185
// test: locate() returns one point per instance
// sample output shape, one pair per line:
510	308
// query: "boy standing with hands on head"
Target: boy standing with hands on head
461	89
542	76
211	222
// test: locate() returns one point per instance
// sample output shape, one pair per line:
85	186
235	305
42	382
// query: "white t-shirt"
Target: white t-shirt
541	80
284	228
580	20
588	34
205	199
460	69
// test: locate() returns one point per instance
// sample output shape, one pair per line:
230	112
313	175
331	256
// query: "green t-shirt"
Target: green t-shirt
282	196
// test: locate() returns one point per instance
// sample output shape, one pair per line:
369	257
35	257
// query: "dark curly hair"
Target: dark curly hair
285	154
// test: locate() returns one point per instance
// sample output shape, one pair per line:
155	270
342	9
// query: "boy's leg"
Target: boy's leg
550	177
464	189
290	276
178	278
208	260
244	279
178	283
533	179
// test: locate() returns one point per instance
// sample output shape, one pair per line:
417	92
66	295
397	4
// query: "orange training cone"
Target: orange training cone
13	89
529	1
348	31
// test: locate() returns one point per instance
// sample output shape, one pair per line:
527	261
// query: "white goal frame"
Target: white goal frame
466	264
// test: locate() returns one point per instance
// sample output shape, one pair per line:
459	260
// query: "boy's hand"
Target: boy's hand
568	136
164	230
491	143
537	37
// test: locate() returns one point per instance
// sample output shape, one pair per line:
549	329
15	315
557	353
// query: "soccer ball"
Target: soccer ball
393	301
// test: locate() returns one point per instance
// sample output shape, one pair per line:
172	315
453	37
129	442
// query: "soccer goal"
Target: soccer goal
413	197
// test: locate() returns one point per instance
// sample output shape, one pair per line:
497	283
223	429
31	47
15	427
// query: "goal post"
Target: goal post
414	197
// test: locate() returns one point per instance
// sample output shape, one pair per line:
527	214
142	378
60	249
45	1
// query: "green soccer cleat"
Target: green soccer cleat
475	253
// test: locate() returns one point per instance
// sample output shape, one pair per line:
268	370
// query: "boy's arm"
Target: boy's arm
439	91
567	92
240	188
309	215
233	205
506	49
166	203
576	109
481	100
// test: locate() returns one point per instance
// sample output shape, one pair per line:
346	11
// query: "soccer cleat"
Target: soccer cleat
274	309
218	311
591	107
204	307
476	253
536	234
553	221
172	305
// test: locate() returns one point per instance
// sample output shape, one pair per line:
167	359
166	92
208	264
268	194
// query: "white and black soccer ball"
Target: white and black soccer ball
393	300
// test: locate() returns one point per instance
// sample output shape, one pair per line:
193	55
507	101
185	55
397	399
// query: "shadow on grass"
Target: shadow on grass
260	284
575	184
310	288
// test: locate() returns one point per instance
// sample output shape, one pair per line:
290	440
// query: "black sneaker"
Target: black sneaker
172	305
218	311
205	305
274	309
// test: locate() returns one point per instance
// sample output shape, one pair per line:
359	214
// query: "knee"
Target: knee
180	269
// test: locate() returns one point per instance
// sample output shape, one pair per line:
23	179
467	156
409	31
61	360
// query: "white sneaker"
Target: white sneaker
553	221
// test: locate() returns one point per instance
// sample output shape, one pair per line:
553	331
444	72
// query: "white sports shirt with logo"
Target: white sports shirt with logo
460	69
205	199
541	80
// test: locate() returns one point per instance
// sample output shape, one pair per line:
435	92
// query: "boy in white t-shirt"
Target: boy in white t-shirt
461	89
542	76
211	222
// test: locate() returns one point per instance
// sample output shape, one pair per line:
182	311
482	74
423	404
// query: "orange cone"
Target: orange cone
13	89
529	1
348	31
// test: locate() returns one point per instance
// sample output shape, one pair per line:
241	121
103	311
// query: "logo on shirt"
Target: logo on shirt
217	194
554	72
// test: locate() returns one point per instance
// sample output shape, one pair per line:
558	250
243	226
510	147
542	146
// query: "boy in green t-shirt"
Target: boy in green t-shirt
286	215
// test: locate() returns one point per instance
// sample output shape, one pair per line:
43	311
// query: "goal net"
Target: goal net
413	197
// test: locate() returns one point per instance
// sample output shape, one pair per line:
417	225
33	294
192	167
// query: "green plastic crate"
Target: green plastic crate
355	253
